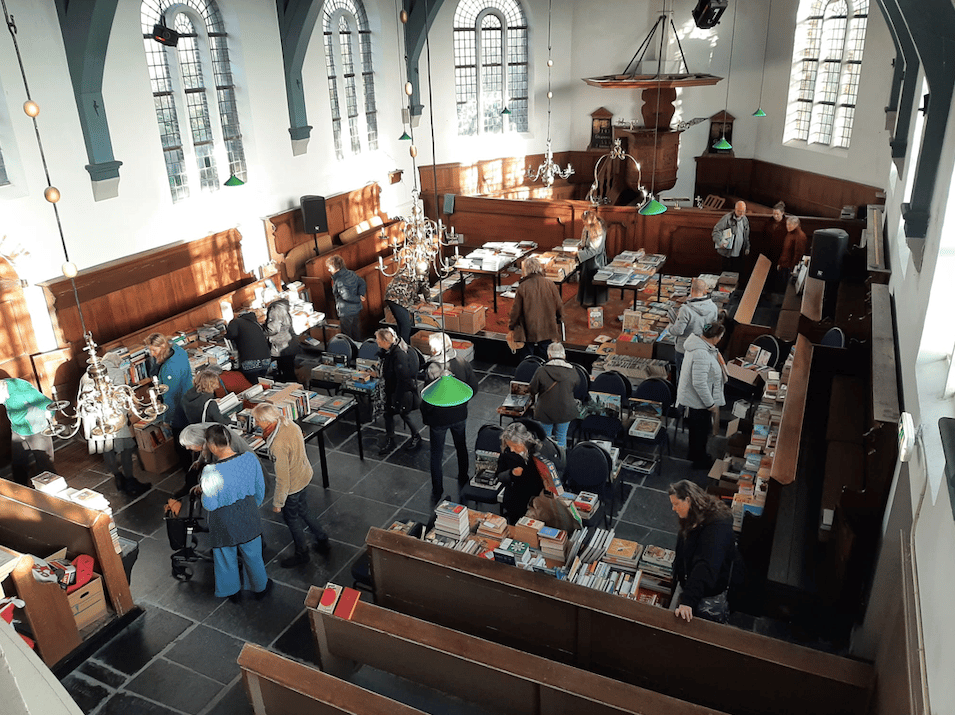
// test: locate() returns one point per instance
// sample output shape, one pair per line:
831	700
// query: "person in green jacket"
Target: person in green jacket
26	409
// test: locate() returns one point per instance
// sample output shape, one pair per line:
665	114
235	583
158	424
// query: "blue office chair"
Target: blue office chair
369	349
770	343
488	440
589	469
582	389
657	392
341	344
527	367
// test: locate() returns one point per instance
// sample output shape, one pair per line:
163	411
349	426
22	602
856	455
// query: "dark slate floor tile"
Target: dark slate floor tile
262	621
413	694
631	532
91	479
318	571
339	431
86	692
175	686
345	469
193	651
194	599
666	539
373	441
649	507
419	458
142	640
319	499
97	671
126	703
152	572
496	385
298	642
233	702
391	484
145	515
348	519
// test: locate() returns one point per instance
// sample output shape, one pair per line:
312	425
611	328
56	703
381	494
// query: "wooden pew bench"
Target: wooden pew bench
279	686
639	644
487	674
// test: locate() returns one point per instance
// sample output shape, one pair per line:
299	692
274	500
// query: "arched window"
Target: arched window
348	38
490	66
181	91
827	60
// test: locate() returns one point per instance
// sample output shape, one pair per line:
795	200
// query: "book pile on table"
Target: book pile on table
657	566
623	554
493	526
592	542
452	520
586	502
55	485
515	553
553	543
528	530
631	366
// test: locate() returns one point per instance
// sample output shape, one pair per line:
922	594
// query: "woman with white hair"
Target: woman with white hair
293	473
554	384
193	440
517	471
537	312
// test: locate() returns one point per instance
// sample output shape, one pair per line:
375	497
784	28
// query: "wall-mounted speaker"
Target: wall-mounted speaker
165	36
829	246
313	214
707	13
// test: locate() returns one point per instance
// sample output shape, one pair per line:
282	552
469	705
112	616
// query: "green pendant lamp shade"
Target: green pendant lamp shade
505	110
404	137
652	208
447	391
722	144
759	113
234	181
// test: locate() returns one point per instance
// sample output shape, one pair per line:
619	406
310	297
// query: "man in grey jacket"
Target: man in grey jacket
697	311
349	291
731	237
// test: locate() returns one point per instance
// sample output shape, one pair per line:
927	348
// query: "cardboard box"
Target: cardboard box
473	318
748	377
420	340
88	603
465	349
452	318
635	348
161	459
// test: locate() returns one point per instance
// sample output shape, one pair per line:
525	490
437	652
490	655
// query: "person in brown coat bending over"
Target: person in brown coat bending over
536	315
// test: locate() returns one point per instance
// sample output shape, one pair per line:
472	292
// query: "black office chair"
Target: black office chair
527	367
606	426
770	343
369	349
582	389
612	382
589	469
834	338
657	392
341	344
675	413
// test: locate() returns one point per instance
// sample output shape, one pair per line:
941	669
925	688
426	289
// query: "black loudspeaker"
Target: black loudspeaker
313	214
707	13
829	246
164	36
448	204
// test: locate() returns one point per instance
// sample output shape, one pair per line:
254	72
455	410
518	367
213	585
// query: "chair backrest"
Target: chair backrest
527	367
588	465
368	350
488	438
657	390
422	361
612	382
769	342
341	344
582	389
834	338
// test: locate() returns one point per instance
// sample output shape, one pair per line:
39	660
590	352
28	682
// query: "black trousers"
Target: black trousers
351	326
699	425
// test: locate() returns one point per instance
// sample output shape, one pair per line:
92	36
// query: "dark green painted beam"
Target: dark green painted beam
905	87
297	20
421	14
85	26
931	26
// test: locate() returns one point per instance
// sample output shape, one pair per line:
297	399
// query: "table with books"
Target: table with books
633	271
492	259
325	411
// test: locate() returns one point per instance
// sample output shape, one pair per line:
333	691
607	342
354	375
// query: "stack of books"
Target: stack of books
586	502
658	563
452	520
593	543
553	543
515	553
528	530
493	527
623	554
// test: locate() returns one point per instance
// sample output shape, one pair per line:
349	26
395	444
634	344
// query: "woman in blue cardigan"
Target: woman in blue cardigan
170	364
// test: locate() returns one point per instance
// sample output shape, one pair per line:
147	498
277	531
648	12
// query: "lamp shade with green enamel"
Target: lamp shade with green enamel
759	113
652	208
505	111
447	391
234	181
722	144
404	137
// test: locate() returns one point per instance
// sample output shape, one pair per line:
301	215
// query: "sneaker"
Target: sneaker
299	558
388	447
270	584
412	444
236	597
322	546
436	497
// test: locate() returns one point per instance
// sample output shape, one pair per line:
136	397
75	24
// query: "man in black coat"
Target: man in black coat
441	419
255	352
399	368
349	291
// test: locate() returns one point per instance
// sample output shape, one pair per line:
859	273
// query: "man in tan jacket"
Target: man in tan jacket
293	473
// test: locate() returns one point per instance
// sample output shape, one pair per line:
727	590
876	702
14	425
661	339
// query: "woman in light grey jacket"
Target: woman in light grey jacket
701	389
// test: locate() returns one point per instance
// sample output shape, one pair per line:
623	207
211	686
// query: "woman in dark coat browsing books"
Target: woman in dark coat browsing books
517	472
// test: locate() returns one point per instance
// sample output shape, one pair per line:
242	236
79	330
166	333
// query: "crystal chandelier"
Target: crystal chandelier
102	406
418	249
549	170
649	207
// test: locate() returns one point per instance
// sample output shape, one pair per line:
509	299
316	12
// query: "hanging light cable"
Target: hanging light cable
653	207
769	23
722	144
105	405
549	170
